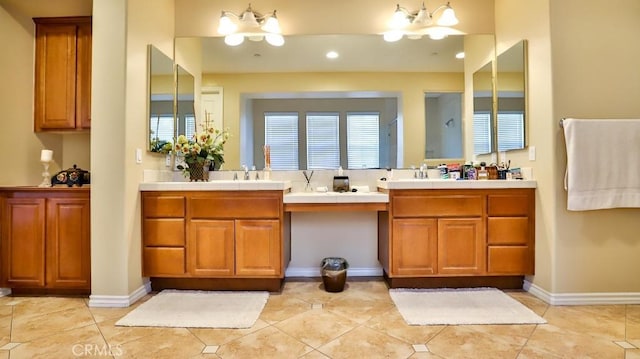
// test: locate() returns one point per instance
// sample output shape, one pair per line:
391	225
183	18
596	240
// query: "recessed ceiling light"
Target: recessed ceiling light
460	55
332	55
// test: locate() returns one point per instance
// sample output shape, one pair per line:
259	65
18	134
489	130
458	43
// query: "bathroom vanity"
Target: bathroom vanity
237	234
449	232
215	235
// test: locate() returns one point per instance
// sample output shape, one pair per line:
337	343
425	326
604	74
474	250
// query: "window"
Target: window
481	132
190	126
510	130
363	140
323	140
281	133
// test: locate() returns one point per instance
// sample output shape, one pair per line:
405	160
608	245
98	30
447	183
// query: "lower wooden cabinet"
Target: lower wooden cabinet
217	234
446	233
46	239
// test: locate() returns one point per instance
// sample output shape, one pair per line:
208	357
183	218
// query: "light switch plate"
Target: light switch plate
138	155
532	153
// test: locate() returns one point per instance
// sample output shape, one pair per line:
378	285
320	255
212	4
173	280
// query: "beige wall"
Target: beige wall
529	19
121	33
595	75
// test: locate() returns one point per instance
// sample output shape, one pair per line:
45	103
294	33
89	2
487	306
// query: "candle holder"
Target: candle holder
45	158
46	179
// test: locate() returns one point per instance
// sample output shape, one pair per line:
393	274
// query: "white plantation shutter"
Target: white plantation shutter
481	132
363	140
281	133
190	124
323	140
510	130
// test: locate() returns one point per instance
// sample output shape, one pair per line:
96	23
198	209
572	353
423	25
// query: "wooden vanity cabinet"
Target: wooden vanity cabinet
213	234
46	239
164	239
436	233
62	74
458	232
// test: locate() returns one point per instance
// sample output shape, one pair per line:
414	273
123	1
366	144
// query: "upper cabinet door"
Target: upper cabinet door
63	74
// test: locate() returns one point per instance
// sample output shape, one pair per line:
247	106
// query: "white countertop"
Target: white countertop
336	197
453	184
217	185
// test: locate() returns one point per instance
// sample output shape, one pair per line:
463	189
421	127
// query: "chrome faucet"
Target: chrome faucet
246	172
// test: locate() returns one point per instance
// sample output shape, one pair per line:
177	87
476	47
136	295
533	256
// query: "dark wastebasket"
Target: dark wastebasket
334	273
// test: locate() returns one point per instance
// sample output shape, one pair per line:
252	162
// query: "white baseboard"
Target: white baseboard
120	301
581	298
315	272
4	292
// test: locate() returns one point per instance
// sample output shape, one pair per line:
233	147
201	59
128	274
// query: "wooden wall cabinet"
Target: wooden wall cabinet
62	74
216	234
46	239
449	233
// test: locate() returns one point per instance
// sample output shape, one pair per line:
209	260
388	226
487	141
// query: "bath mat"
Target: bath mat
198	309
461	306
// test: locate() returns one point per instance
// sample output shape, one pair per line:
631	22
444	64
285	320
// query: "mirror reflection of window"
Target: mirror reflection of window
281	134
363	140
483	110
511	82
161	97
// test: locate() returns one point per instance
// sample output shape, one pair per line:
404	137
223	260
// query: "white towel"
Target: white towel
603	163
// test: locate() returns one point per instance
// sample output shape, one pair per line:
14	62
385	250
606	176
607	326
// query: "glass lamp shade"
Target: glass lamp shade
234	39
399	19
448	18
226	25
392	36
274	39
272	25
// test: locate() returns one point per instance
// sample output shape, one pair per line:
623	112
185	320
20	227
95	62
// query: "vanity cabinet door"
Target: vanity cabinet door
461	246
258	248
414	250
210	246
68	243
62	74
23	243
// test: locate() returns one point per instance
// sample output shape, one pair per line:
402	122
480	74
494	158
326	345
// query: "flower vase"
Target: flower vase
199	171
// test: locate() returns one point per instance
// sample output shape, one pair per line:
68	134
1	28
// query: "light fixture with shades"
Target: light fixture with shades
251	25
415	24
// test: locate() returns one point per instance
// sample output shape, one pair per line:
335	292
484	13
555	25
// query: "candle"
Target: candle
46	156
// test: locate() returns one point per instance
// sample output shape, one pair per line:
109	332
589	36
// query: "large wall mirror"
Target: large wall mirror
511	93
367	68
483	110
185	103
161	100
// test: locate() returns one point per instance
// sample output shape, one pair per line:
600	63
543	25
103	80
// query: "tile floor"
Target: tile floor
304	321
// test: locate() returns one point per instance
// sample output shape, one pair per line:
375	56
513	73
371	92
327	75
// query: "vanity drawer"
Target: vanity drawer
424	205
163	261
509	260
162	206
508	230
163	232
235	206
508	204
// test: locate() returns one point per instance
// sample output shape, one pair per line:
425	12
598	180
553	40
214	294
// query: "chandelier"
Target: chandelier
251	25
415	24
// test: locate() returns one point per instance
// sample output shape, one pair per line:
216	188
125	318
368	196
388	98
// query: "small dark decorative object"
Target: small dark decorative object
72	176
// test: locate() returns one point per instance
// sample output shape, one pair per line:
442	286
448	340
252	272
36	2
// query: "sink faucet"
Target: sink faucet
246	172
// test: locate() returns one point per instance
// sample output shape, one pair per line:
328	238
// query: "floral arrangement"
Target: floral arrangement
206	145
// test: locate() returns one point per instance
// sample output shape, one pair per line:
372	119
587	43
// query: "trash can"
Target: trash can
334	274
